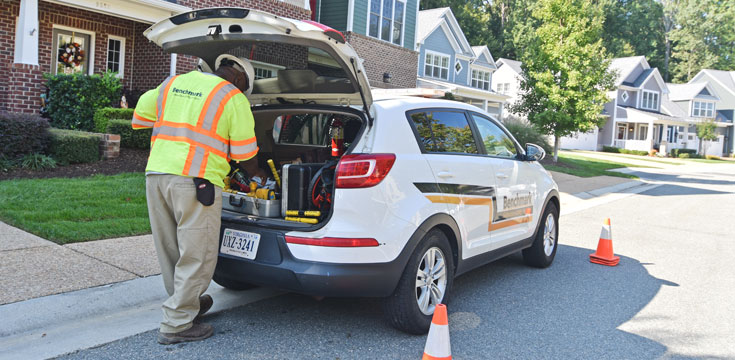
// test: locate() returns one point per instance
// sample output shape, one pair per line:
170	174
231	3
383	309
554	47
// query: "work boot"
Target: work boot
195	333
205	303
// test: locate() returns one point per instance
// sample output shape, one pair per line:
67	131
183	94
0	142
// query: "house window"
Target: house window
261	73
116	55
481	79
503	88
386	20
265	70
436	65
703	109
66	42
457	67
650	100
624	96
507	88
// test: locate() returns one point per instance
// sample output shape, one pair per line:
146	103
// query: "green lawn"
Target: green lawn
587	167
79	209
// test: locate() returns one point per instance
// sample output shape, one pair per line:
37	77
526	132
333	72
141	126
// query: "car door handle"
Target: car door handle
445	174
501	176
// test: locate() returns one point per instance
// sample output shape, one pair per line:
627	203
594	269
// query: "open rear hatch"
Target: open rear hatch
299	61
308	83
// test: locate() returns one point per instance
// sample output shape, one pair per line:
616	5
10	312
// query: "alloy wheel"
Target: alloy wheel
431	280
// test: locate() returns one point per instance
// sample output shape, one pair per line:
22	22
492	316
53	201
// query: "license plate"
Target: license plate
240	243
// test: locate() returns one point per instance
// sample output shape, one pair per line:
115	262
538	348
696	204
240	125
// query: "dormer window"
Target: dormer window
436	65
624	96
649	100
703	109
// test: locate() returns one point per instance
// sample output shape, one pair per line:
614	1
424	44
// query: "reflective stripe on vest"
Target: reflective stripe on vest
140	122
162	94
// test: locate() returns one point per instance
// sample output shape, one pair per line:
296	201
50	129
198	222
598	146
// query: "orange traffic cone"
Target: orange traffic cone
604	254
437	343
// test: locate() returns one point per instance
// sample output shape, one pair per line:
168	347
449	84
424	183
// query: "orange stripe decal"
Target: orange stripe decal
465	200
189	159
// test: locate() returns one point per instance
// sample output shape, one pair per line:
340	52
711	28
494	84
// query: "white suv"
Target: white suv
410	192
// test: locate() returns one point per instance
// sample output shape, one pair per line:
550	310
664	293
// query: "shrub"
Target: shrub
676	152
102	116
527	133
37	161
129	138
7	164
610	149
634	152
72	147
22	134
712	157
683	156
73	99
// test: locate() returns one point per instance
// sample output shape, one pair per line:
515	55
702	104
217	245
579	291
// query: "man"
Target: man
200	121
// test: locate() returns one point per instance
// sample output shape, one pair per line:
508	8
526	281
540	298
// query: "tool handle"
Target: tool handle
275	173
308	213
302	220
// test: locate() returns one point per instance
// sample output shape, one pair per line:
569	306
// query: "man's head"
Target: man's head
236	70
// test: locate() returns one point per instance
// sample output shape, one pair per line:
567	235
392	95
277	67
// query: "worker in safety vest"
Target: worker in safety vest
200	121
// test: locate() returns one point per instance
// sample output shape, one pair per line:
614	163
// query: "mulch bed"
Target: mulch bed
130	160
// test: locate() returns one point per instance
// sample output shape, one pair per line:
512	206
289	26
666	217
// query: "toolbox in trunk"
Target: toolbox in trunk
244	204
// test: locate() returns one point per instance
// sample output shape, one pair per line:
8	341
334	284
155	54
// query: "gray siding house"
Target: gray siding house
448	64
645	113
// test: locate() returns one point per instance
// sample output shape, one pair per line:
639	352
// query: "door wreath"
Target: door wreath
71	54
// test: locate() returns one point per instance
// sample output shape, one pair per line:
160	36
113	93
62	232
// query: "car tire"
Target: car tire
232	284
406	309
541	253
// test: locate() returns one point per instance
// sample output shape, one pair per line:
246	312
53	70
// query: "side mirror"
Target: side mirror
534	152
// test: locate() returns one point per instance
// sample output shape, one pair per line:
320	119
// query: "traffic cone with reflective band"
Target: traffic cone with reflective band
604	254
437	344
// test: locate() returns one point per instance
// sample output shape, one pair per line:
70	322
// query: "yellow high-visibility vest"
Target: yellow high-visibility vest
200	122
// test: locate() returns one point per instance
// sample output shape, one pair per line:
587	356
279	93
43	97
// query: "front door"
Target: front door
465	178
515	185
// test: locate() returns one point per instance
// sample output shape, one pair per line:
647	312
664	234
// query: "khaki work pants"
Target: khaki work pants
185	233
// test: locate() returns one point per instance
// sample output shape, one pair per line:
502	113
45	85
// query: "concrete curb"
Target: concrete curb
608	189
58	324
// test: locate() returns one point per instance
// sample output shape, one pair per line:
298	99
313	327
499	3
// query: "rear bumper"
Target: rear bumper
275	266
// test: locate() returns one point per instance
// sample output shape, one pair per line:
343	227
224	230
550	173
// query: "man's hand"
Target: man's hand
252	169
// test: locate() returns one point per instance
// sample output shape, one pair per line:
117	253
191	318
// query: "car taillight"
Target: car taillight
363	170
333	242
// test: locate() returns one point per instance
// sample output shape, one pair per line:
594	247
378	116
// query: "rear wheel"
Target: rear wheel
541	253
425	283
232	284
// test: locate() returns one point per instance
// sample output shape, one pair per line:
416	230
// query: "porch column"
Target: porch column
172	69
649	135
484	104
26	34
686	138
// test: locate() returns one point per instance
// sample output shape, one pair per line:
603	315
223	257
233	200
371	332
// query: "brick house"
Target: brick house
382	32
110	32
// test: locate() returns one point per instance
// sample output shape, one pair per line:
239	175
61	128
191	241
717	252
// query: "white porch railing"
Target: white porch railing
643	145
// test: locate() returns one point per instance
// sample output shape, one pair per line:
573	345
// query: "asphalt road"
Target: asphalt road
672	295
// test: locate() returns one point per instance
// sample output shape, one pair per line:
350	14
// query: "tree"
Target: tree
706	132
566	76
632	27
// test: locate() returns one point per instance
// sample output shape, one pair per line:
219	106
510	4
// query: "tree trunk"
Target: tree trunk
557	144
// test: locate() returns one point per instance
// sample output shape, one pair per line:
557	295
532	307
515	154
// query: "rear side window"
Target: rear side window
444	132
495	140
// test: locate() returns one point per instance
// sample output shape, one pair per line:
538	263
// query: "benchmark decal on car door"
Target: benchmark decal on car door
516	210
